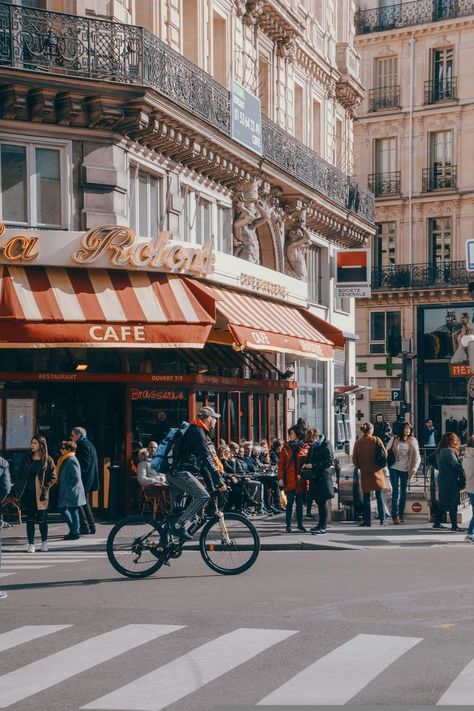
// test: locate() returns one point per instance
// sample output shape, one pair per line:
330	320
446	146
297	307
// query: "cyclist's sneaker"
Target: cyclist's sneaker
181	533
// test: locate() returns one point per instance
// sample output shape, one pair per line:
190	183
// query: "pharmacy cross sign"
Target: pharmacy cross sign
388	366
360	415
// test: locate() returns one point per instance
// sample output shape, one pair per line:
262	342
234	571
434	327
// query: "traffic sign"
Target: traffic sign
396	395
470	255
416	507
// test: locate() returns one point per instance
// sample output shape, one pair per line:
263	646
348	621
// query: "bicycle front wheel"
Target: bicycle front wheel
229	546
135	547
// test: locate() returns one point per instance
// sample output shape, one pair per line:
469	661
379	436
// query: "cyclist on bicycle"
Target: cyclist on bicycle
194	457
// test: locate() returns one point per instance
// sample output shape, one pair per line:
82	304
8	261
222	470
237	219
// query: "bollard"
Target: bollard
115	479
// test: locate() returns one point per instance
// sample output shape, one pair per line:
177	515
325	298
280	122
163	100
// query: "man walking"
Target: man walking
5	486
87	456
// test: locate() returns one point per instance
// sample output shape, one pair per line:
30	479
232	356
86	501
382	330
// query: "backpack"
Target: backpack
166	456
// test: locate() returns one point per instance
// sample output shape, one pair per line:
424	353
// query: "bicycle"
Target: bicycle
229	543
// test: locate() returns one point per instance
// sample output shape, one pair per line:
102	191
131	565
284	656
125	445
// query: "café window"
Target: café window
384	325
145	202
33	184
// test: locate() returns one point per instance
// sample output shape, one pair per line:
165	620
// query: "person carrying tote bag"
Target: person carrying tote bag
366	457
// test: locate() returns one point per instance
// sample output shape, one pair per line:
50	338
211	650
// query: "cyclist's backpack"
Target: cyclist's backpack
167	452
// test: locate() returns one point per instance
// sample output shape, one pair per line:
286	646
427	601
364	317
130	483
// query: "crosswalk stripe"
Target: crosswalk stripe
20	635
337	677
24	567
5	575
46	672
461	691
190	672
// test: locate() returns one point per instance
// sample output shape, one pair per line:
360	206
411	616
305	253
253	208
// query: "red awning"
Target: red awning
265	325
99	308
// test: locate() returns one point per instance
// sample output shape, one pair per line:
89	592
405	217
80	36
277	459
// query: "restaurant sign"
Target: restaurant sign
107	246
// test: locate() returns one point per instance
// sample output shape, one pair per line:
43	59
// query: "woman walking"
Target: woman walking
365	457
451	478
406	460
37	475
468	466
71	488
319	460
290	479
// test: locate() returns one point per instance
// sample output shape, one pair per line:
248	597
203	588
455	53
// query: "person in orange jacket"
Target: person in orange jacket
292	456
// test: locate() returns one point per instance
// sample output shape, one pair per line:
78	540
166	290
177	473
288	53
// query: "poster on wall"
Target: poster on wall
443	330
20	422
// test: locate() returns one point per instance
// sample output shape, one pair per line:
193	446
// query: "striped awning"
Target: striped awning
264	325
54	307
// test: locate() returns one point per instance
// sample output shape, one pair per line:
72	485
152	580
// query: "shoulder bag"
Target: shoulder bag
380	458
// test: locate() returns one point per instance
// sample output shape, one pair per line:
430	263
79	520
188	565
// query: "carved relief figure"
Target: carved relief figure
296	244
248	216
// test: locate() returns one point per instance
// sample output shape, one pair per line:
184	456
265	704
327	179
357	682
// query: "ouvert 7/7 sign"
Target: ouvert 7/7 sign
246	118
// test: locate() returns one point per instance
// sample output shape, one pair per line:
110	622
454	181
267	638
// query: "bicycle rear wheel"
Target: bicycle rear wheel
230	551
135	547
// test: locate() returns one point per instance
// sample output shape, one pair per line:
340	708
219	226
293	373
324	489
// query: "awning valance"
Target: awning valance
99	308
265	325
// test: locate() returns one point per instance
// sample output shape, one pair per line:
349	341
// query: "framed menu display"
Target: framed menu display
19	422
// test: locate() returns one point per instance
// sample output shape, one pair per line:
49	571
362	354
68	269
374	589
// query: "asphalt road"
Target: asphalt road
369	626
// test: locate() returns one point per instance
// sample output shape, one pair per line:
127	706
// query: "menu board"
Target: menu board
20	422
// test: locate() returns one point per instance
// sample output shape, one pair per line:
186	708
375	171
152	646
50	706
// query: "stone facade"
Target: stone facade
413	135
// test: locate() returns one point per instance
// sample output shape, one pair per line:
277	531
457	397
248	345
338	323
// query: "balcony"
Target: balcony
420	12
384	183
71	46
438	91
419	276
440	177
385	97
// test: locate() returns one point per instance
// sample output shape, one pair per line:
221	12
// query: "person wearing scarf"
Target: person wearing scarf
289	477
71	489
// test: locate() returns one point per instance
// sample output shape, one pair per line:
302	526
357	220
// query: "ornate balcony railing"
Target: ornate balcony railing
436	91
419	276
440	177
43	41
386	97
419	12
385	183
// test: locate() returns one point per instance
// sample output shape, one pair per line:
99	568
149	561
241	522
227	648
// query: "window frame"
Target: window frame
139	166
374	342
444	244
380	237
31	143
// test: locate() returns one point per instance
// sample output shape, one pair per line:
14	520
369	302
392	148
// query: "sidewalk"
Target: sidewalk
344	535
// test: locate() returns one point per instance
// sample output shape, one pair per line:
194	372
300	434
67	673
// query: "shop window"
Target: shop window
145	202
439	240
33	185
384	327
310	378
314	274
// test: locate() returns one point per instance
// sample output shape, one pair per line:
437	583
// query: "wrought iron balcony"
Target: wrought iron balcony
385	97
436	91
419	12
440	177
385	183
69	45
419	276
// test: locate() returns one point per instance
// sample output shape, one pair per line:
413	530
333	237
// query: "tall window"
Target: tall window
340	157
203	220
316	126
439	240
219	49
264	85
442	66
33	189
299	112
190	30
314	274
145	202
384	252
224	229
384	325
385	155
386	72
441	149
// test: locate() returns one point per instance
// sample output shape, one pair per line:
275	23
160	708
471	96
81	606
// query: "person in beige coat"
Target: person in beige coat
407	460
372	475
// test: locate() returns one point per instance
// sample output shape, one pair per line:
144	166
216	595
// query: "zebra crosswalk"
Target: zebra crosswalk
13	562
332	679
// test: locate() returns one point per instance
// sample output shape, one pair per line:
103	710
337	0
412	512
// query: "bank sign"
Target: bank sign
353	273
246	118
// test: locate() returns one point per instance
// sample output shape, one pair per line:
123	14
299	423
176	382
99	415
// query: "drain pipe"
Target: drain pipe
411	42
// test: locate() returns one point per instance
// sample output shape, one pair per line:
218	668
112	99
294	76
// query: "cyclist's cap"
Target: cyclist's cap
207	412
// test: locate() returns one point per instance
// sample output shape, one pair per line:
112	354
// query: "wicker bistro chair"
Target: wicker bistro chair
155	499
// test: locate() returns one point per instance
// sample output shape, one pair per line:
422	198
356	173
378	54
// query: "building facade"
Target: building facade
159	250
414	136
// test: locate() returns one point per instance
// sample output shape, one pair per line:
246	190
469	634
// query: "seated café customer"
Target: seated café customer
146	476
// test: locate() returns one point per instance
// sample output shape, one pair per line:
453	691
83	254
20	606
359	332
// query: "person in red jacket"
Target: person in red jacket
289	463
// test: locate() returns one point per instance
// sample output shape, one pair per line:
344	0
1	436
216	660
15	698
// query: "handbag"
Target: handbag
391	458
380	458
461	479
388	484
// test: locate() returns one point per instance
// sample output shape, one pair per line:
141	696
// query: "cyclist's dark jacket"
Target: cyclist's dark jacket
195	457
